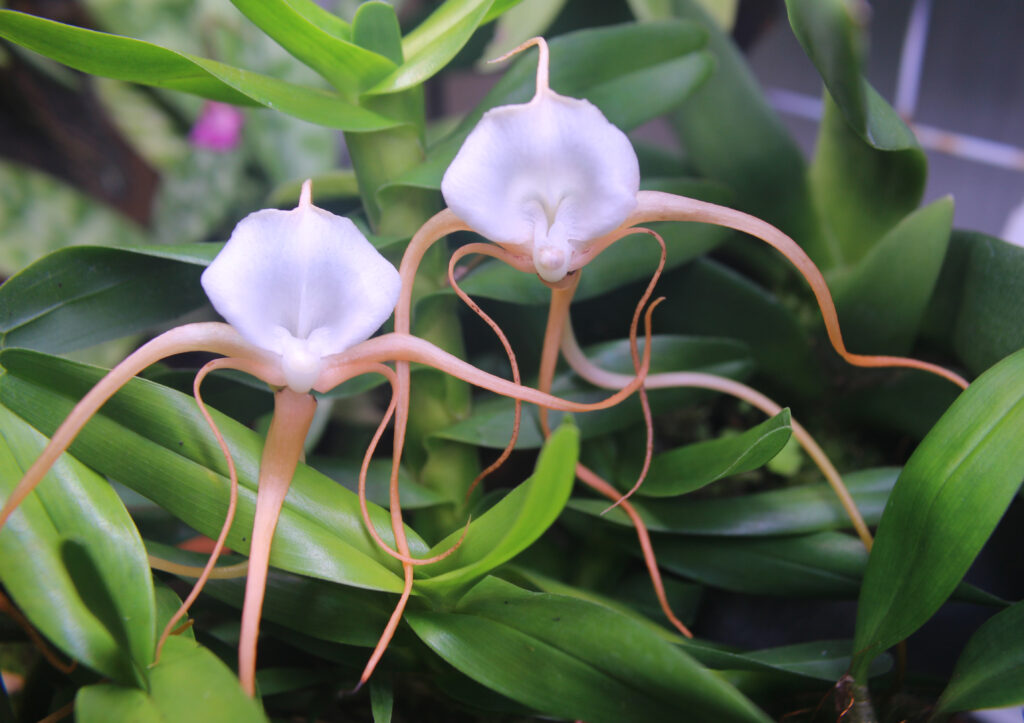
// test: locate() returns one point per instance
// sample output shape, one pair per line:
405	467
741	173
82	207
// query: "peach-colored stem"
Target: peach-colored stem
497	252
293	413
595	482
611	380
658	206
229	517
211	336
407	348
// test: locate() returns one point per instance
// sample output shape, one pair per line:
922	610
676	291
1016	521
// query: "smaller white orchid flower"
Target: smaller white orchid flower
545	178
303	284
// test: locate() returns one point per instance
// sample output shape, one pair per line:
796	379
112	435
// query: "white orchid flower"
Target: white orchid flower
545	178
303	284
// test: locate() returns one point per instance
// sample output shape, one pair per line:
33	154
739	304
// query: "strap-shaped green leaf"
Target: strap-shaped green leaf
154	440
189	684
883	300
72	560
433	43
513	524
113	56
861	191
347	66
84	295
789	511
733	136
573	659
695	465
990	671
952	492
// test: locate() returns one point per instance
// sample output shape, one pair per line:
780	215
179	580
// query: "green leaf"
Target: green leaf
693	466
715	300
432	45
591	64
375	26
947	501
977	303
347	66
188	684
84	295
513	524
135	61
733	136
861	191
72	560
109	703
830	32
490	423
317	608
573	659
883	300
822	564
154	441
789	511
382	700
990	671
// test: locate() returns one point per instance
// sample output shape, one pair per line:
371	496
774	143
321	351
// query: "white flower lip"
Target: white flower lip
304	284
544	178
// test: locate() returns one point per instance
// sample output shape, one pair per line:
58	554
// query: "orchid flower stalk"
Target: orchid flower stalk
552	183
302	291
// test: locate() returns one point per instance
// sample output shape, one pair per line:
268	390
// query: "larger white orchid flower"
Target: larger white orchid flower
304	284
545	178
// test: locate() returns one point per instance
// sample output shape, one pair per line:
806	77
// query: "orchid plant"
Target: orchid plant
440	563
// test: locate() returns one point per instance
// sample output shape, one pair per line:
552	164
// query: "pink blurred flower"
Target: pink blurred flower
219	127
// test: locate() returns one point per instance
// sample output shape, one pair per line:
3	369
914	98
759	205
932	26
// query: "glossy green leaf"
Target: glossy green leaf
592	64
861	191
72	560
978	299
382	700
714	300
317	608
378	480
883	300
822	564
633	258
113	56
433	43
788	511
693	466
732	135
990	671
513	524
84	295
347	66
831	33
952	492
490	423
375	26
189	684
154	441
109	703
573	659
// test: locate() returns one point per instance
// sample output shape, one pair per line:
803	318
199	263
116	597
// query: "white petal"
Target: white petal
302	283
547	176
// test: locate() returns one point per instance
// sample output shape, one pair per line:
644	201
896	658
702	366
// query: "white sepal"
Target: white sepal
304	284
